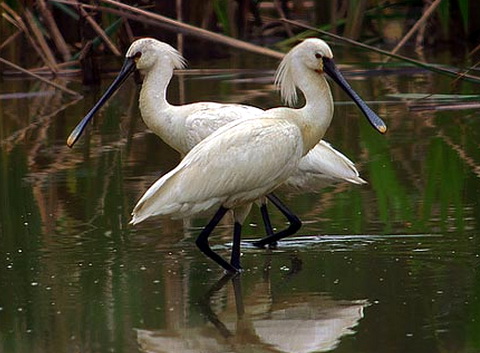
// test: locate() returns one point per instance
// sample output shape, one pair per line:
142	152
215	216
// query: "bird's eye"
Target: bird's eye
137	55
318	55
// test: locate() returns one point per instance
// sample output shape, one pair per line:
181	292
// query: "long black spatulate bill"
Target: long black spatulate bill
127	68
331	70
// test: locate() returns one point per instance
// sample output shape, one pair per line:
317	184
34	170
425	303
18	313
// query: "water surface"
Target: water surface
390	266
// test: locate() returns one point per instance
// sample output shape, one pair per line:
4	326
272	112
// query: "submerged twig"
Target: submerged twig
38	77
462	153
18	135
21	95
430	67
442	107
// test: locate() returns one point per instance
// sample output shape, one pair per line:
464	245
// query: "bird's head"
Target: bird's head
311	53
146	52
143	54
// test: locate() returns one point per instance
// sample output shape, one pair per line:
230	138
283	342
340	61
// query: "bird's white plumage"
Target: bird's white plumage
184	126
285	76
322	167
227	168
150	52
209	119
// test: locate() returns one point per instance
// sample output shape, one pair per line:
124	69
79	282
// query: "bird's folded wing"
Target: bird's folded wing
238	163
213	116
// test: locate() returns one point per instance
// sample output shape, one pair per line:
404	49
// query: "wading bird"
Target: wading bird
182	127
248	158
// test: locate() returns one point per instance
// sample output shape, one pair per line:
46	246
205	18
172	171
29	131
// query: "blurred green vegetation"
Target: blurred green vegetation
381	22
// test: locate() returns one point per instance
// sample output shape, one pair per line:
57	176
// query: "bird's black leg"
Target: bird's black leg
266	219
204	246
295	224
237	232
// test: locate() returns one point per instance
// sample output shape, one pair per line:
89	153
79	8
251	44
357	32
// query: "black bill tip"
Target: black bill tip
127	68
331	70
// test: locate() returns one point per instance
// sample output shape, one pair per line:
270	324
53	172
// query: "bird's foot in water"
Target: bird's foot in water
261	245
273	245
236	270
235	266
258	244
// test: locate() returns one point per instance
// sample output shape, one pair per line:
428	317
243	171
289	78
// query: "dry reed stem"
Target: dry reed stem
426	15
38	77
54	31
51	62
180	26
100	32
60	66
281	13
424	65
20	24
477	48
10	39
128	31
178	10
12	21
355	16
12	16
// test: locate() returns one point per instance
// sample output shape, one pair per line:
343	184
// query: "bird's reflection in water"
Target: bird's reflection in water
237	322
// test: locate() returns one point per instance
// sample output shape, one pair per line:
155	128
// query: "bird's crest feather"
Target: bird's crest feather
285	82
178	61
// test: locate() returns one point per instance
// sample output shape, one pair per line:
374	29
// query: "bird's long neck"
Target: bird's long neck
153	95
317	113
156	112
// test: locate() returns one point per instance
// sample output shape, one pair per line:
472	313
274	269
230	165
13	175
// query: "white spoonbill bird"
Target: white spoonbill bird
248	158
184	126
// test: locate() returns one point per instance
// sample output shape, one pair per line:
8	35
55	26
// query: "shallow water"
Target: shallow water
390	266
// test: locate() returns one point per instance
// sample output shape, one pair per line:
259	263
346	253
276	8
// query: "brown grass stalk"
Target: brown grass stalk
421	21
281	14
11	20
96	27
17	21
355	16
477	48
47	52
156	19
10	39
427	66
60	66
54	31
